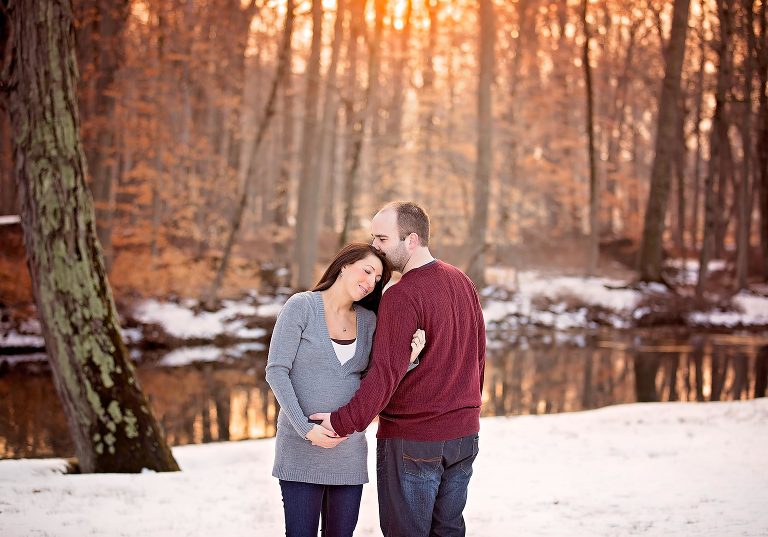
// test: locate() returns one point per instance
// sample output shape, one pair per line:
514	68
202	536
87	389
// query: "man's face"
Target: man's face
386	237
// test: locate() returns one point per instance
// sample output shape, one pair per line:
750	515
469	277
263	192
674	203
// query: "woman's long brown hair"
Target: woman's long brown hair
352	253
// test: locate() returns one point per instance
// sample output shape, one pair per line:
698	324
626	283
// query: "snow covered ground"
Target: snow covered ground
671	469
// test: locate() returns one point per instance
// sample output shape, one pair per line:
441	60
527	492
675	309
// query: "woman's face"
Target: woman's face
359	278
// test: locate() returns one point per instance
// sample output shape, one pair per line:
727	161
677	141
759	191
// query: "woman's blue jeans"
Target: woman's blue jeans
304	503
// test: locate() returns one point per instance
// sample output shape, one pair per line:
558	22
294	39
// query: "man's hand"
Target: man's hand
326	417
322	437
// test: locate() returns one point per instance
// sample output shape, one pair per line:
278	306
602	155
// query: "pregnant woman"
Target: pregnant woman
320	348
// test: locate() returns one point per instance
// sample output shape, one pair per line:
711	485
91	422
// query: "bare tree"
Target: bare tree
656	209
266	119
308	214
362	118
594	209
328	122
762	133
484	165
718	142
744	205
100	53
113	427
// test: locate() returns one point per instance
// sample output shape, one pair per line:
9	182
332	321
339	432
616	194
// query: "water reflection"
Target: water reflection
541	377
536	374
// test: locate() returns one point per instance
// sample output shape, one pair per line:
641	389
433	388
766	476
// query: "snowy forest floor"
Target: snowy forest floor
673	469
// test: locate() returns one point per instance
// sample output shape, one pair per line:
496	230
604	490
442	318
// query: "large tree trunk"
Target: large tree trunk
594	209
656	209
483	168
111	422
308	213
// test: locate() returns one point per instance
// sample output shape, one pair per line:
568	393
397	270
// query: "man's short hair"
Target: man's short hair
410	219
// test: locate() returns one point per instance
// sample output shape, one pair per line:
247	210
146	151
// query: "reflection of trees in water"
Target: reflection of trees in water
217	402
761	373
211	402
540	378
196	403
32	422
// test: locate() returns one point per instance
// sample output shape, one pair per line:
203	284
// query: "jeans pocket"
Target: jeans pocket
422	459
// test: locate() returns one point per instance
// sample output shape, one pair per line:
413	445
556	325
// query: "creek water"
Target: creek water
535	372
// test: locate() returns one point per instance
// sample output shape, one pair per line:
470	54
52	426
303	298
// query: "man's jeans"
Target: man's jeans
303	503
423	485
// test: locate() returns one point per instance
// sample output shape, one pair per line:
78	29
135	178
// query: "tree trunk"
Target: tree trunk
762	136
681	152
351	112
510	177
308	213
111	422
266	119
283	186
718	137
656	209
327	138
617	213
594	222
694	225
427	105
9	203
744	206
100	36
483	168
369	107
394	135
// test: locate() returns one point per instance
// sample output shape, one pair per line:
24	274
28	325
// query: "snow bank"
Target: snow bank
673	469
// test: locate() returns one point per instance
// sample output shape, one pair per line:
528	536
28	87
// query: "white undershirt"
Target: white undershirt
344	352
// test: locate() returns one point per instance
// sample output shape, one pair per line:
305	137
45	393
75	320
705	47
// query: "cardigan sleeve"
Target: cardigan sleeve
286	337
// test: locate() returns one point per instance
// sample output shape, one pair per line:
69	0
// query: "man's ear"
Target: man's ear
413	240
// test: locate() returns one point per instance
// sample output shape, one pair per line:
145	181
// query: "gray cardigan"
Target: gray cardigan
307	377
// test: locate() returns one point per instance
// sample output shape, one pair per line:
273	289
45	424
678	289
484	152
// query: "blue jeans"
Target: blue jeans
423	486
303	503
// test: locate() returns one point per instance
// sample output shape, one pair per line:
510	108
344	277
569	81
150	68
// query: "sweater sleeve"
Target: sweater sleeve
390	358
286	338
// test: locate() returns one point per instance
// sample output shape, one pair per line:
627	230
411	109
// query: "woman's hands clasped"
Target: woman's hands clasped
322	437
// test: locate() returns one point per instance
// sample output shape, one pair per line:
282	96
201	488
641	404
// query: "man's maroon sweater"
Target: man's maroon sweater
439	399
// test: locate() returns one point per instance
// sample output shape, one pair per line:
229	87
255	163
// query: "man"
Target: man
429	418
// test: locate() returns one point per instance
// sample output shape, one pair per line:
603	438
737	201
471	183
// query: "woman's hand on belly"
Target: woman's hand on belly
322	437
